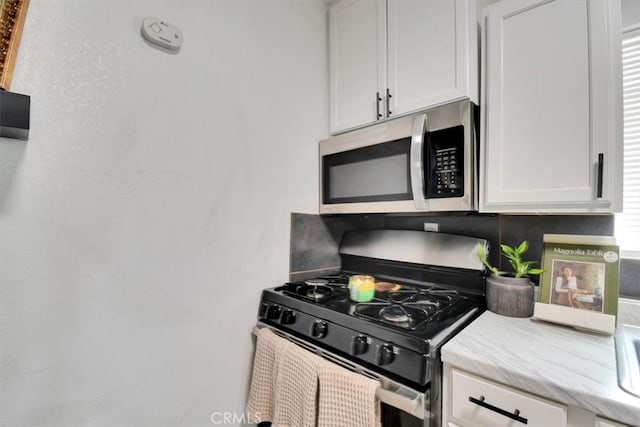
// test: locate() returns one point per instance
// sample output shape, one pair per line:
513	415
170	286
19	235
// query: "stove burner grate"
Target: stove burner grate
408	309
429	296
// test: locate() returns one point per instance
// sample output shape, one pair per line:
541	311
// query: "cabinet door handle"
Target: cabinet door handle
388	103
515	415
378	99
600	174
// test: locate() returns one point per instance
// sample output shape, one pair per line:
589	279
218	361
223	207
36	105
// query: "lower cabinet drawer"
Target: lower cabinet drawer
481	403
601	422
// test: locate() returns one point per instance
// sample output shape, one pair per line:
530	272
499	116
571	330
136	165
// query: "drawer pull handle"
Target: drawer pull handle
515	415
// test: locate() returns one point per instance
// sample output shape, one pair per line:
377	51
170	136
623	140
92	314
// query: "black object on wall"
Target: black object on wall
14	115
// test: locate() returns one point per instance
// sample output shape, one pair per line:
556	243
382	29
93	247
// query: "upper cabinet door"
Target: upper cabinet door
551	107
357	33
389	58
432	53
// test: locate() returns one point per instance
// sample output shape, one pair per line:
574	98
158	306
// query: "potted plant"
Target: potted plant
510	294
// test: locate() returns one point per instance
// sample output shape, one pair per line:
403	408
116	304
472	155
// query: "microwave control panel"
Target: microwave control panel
445	153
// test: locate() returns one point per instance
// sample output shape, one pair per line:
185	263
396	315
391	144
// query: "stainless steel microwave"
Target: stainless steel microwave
426	162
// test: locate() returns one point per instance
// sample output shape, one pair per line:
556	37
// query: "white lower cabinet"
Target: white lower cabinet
472	401
479	403
601	422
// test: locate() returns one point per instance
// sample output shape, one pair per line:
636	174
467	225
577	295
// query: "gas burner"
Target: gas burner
400	316
315	292
395	314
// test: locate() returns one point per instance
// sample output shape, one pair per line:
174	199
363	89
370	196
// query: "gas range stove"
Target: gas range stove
430	285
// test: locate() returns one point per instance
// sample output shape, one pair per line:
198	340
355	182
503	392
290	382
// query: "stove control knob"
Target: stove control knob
263	310
360	345
319	329
385	354
288	317
273	312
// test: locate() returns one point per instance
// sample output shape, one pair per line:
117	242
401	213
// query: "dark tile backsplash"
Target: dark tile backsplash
630	278
516	228
315	239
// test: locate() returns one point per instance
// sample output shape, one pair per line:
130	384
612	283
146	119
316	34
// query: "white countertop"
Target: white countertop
556	362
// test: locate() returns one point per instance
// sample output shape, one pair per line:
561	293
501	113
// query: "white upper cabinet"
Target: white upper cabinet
551	107
430	46
393	57
357	30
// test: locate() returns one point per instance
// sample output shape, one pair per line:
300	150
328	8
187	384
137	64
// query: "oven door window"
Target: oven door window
393	417
376	173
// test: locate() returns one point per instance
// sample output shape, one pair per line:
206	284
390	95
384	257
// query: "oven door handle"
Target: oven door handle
406	404
417	161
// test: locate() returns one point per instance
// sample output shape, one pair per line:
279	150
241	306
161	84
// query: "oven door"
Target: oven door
376	169
400	406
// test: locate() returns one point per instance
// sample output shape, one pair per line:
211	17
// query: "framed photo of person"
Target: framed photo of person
579	286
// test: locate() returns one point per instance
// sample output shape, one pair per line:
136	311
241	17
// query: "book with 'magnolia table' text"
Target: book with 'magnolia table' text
579	285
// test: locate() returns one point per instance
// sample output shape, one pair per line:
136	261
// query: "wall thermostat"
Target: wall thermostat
161	33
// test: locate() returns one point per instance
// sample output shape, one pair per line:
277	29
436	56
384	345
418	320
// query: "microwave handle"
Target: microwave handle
420	126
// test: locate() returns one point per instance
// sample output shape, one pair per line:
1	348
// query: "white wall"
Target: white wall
151	204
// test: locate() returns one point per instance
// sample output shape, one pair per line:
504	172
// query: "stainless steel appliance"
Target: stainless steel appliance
424	162
433	286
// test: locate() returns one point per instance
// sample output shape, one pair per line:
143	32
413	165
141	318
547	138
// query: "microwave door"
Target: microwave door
368	171
418	162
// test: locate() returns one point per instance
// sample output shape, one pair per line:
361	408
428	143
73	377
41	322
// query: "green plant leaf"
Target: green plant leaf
482	255
514	256
523	247
508	251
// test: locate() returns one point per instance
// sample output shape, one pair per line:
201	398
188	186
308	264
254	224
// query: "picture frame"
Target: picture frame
12	17
579	285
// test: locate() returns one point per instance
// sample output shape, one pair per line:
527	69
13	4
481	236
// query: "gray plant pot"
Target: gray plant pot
509	296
